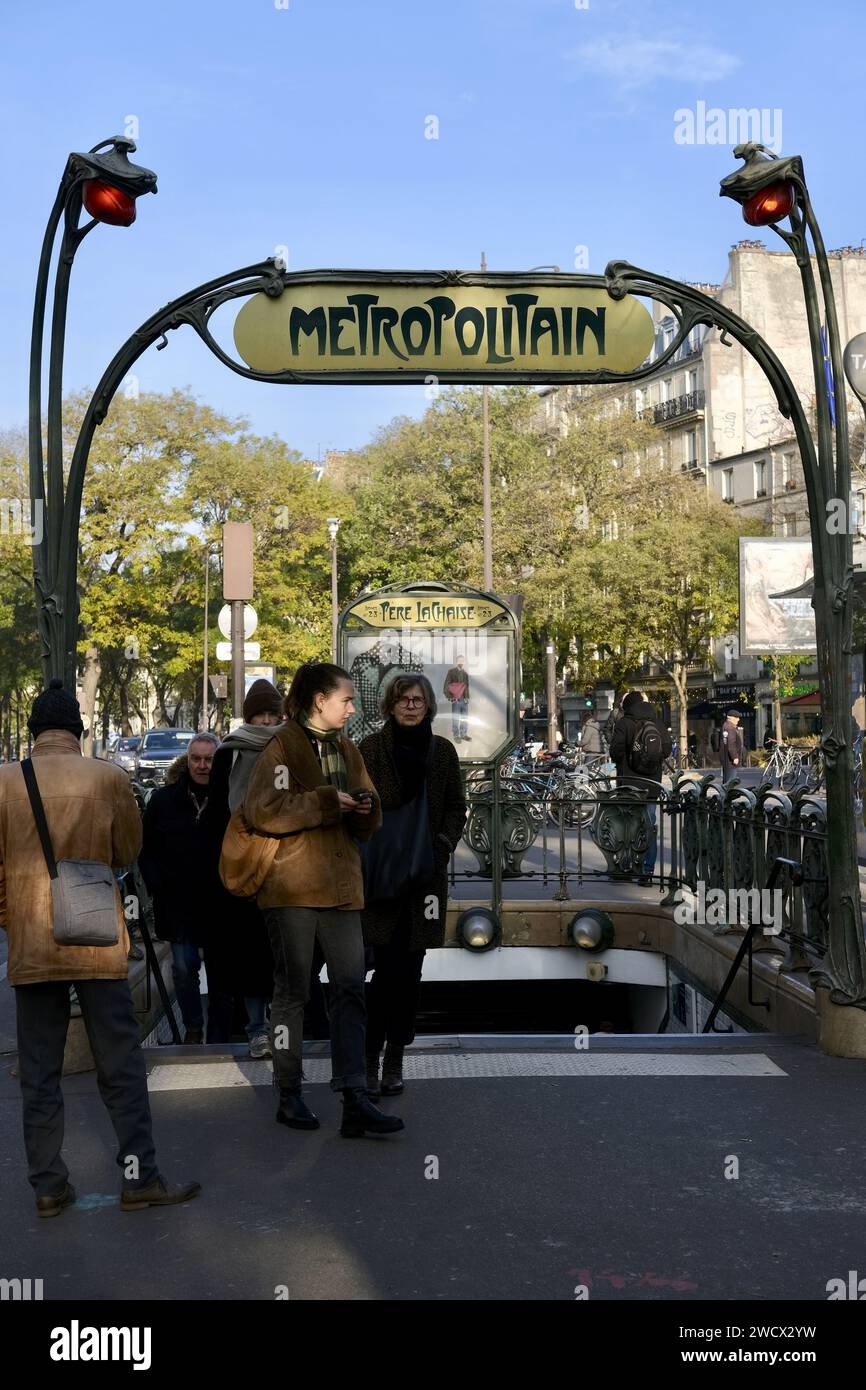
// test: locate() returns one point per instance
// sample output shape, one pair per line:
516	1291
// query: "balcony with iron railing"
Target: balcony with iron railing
679	408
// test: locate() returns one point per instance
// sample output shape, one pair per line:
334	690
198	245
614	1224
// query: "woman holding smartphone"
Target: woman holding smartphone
310	789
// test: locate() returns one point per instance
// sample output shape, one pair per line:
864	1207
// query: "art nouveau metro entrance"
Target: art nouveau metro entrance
472	328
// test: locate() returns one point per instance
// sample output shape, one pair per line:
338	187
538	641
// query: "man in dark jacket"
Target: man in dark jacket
732	744
636	714
173	862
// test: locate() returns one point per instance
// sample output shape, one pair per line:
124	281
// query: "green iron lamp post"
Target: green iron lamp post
104	184
773	191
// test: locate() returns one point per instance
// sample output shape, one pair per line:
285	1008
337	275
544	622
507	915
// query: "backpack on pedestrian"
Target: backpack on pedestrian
645	754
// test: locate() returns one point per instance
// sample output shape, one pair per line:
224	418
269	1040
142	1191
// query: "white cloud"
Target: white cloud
637	62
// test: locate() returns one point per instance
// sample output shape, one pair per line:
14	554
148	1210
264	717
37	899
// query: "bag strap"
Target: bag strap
39	815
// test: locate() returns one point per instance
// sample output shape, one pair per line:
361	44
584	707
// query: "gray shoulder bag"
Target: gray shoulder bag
84	894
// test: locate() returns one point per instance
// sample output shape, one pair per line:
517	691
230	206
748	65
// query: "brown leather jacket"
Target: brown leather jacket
91	814
317	863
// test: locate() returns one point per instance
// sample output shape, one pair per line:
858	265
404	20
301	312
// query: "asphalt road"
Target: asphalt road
520	1187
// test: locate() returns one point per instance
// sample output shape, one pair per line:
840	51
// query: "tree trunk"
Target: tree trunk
123	694
679	677
89	686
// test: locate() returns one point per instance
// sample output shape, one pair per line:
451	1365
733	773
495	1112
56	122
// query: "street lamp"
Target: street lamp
106	185
770	189
333	528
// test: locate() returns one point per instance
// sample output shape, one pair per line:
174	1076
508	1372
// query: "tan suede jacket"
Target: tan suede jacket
317	863
91	814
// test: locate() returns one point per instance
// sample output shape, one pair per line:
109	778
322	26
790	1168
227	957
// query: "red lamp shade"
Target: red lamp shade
769	205
107	203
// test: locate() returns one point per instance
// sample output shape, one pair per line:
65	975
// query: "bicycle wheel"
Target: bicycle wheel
792	772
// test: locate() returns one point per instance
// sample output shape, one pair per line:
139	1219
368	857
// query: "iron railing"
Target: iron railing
710	835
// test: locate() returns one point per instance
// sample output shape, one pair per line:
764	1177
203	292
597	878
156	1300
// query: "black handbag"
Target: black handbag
400	854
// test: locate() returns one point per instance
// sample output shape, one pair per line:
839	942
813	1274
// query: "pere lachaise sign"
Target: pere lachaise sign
392	326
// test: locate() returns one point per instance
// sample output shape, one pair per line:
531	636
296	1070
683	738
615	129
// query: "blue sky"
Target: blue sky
305	126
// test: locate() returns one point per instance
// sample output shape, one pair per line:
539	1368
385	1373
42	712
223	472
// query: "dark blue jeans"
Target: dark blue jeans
185	970
294	932
113	1033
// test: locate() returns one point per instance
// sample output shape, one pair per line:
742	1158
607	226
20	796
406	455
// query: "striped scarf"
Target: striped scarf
333	763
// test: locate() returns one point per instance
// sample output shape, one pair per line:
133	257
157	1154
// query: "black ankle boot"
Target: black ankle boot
373	1090
293	1112
361	1117
392	1070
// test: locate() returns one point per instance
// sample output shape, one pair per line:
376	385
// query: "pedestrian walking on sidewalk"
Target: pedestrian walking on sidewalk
417	775
639	746
310	788
731	744
57	808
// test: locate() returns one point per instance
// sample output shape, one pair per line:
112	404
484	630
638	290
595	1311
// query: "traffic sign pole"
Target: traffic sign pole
237	658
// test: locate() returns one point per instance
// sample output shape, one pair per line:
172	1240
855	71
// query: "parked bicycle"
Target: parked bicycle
784	765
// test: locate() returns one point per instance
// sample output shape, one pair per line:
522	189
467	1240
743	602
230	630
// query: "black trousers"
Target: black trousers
393	992
221	964
112	1030
294	932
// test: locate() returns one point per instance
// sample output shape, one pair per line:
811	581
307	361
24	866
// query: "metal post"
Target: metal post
203	722
237	606
486	502
550	651
333	528
496	845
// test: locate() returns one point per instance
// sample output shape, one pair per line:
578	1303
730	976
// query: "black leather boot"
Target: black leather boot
293	1112
373	1090
361	1117
392	1070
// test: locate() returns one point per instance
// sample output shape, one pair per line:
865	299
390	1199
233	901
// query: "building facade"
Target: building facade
718	421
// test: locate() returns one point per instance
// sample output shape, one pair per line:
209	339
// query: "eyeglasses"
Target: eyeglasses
411	700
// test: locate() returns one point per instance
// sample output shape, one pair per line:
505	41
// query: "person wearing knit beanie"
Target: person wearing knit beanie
262	698
55	708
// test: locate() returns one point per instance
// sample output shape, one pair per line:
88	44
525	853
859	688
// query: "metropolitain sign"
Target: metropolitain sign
412	326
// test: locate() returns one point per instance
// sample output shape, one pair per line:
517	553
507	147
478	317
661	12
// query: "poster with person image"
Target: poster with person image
471	668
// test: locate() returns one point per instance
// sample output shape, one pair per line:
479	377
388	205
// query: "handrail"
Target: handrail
797	877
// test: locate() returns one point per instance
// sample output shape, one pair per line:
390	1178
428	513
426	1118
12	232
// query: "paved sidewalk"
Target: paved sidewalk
526	1168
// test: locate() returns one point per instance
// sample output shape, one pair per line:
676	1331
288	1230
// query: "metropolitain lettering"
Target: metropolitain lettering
522	326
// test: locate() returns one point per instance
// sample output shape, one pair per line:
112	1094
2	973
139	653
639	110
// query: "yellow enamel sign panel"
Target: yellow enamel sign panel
426	611
450	332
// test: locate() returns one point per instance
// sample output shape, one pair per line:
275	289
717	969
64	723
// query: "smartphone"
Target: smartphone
362	795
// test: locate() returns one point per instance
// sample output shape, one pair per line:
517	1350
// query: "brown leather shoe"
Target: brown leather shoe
158	1194
53	1206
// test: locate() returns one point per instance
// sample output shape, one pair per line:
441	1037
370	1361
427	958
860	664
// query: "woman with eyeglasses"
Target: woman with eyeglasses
417	776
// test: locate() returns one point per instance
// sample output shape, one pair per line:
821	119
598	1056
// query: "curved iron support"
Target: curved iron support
108	161
828	479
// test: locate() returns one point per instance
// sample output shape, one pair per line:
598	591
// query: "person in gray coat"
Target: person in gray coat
591	740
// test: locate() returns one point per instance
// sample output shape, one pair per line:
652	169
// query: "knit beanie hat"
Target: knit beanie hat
55	708
262	698
631	702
